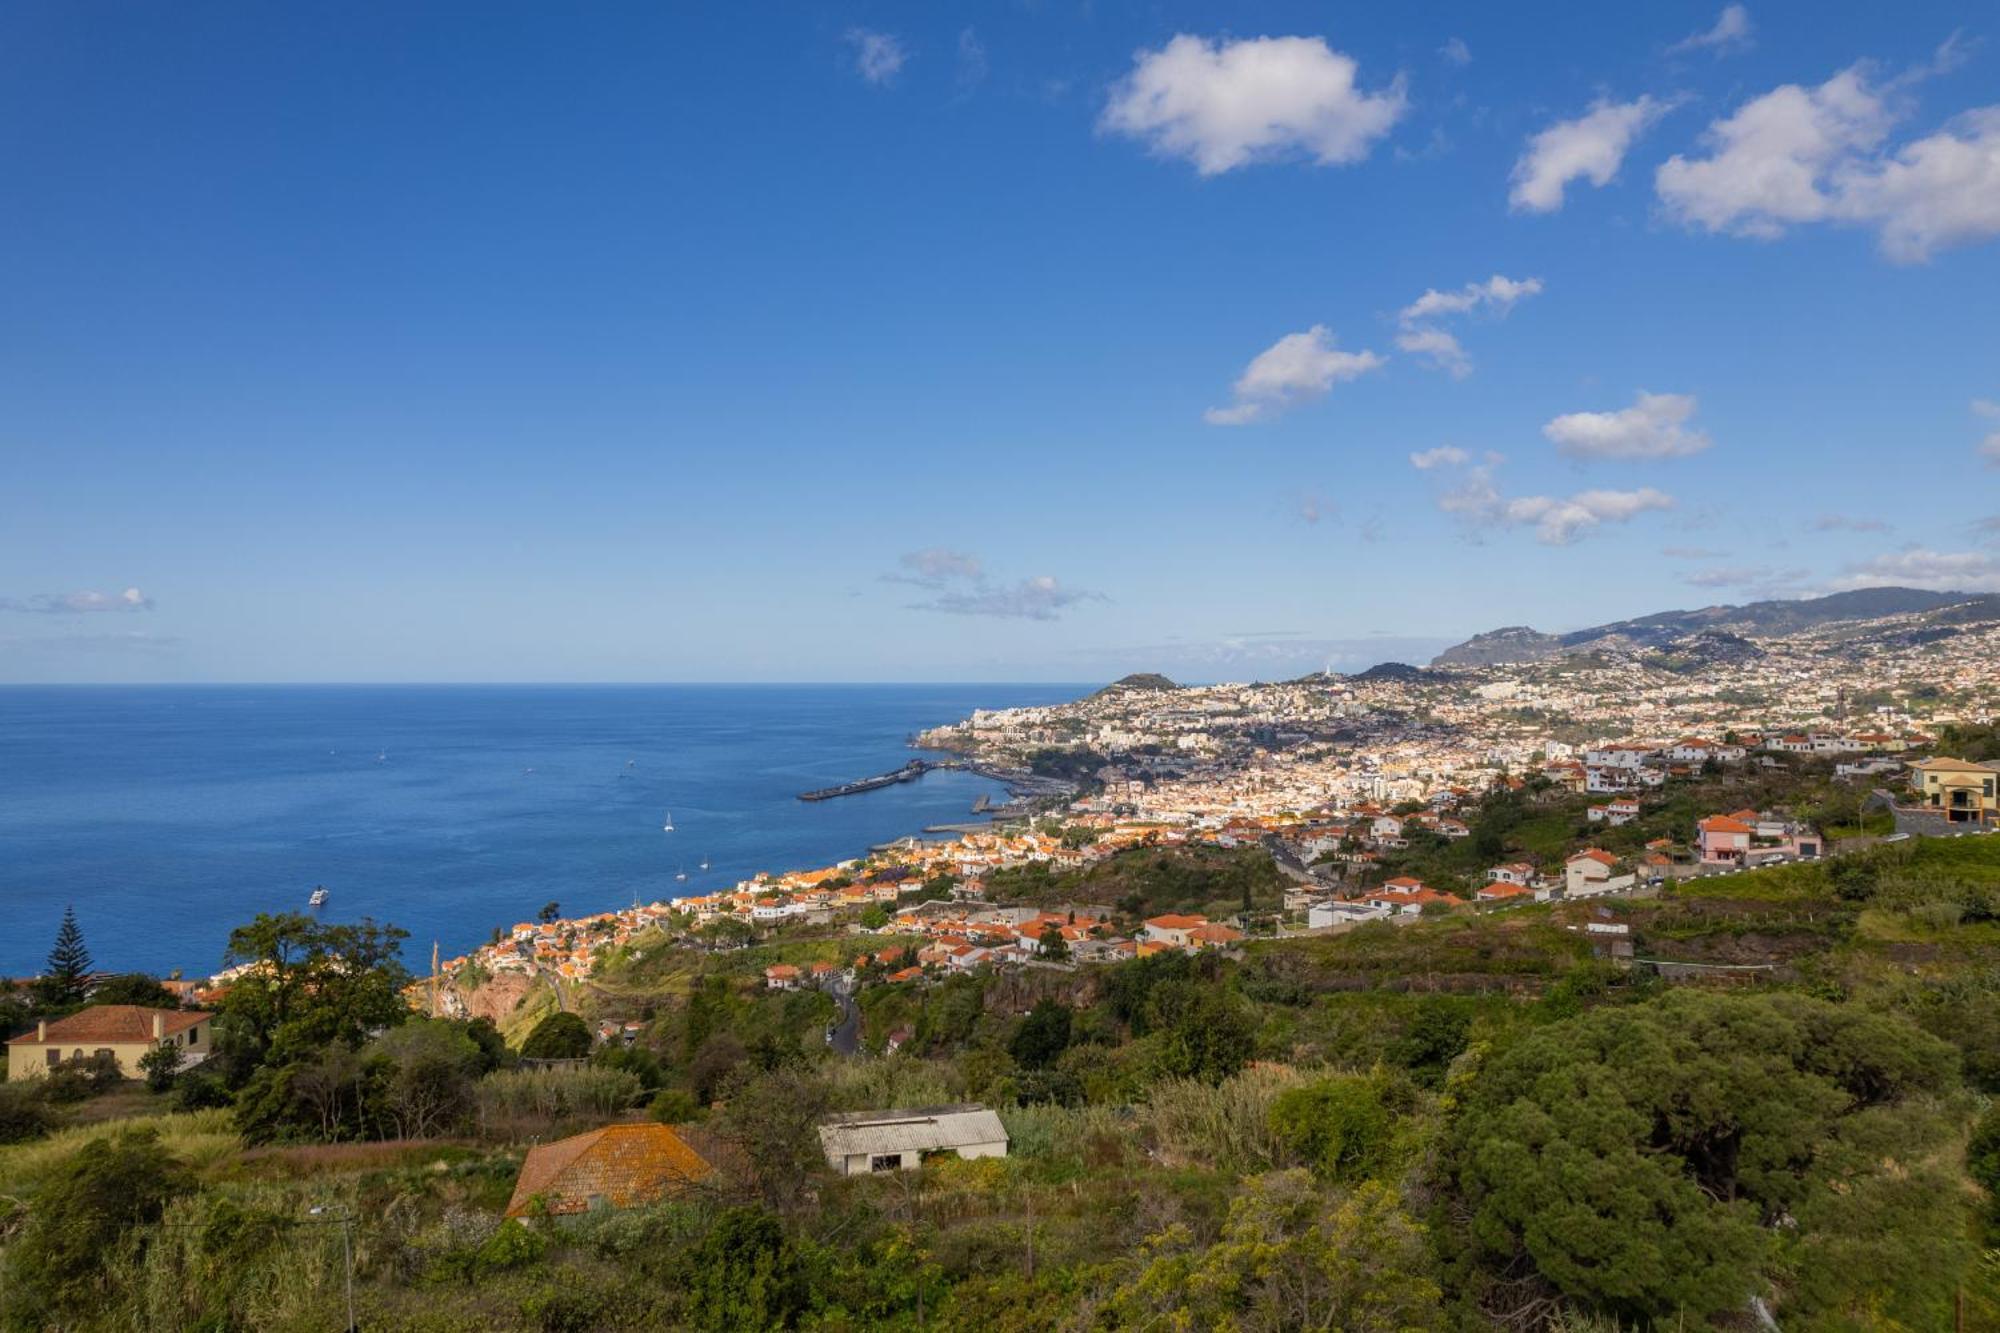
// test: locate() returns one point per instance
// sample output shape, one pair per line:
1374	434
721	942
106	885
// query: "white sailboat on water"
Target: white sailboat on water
681	874
318	898
668	827
704	863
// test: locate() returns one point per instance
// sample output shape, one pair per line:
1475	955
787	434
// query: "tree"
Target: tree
134	988
65	978
772	1119
1291	1257
433	1067
1341	1127
161	1065
89	1204
307	983
551	912
745	1274
560	1036
1043	1035
874	917
1052	944
1652	1160
1198	1030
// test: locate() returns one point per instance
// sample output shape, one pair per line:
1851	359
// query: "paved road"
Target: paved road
846	1038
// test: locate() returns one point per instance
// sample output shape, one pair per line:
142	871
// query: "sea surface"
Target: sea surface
169	814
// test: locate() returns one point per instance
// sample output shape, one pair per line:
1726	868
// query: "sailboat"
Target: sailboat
681	873
318	898
704	863
668	827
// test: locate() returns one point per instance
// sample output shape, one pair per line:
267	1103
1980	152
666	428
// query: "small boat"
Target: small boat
318	898
681	873
704	863
668	827
383	757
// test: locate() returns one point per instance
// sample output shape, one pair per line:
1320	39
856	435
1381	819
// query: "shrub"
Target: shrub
514	1245
674	1106
1340	1127
81	1077
23	1113
161	1066
560	1036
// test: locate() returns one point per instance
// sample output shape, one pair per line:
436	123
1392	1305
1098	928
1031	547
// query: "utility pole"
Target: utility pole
346	1221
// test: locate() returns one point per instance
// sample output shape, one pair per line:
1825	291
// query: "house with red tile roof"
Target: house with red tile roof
127	1032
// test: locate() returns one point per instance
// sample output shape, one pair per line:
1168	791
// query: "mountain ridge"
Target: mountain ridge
1774	618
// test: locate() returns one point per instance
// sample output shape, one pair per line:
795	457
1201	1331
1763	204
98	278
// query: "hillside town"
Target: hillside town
1337	776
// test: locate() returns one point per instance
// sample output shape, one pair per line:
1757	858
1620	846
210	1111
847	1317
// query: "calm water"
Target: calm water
169	814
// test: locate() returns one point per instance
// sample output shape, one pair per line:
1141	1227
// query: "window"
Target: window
885	1161
55	1058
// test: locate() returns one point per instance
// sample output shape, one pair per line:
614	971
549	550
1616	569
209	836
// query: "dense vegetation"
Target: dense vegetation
1469	1122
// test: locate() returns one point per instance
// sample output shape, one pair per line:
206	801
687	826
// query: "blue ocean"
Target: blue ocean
168	814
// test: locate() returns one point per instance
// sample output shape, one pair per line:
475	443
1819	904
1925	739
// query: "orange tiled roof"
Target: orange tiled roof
620	1164
114	1023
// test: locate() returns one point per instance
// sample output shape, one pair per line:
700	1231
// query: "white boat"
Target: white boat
681	873
318	898
668	827
704	863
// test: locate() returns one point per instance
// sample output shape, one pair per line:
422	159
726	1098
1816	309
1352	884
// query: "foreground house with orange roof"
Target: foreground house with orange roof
618	1166
1589	873
126	1032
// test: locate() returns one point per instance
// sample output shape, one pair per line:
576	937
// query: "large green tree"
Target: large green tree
306	983
1676	1159
65	979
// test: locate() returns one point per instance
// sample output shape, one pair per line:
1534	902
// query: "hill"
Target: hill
1669	631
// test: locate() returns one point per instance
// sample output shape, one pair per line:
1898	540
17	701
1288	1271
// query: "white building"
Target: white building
859	1142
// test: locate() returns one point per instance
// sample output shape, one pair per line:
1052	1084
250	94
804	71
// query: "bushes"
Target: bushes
1341	1127
82	1077
517	1102
23	1113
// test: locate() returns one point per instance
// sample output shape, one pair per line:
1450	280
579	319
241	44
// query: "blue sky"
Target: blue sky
1013	341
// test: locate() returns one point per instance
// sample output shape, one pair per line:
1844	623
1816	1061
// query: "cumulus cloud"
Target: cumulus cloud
878	56
1223	105
1445	455
1847	523
1475	499
1421	336
1655	426
962	587
1456	52
1802	155
1731	32
78	603
1294	369
1921	567
1591	147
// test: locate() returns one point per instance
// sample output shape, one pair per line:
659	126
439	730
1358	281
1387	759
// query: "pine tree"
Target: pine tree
62	983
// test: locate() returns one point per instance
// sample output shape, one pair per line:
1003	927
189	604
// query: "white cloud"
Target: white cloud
1420	335
1655	426
1691	553
1763	578
1297	367
1848	523
1989	448
1557	520
878	56
1920	567
1040	598
1441	349
971	62
78	603
1591	147
1732	32
1445	455
1498	292
1770	159
936	565
1456	52
1223	105
1800	155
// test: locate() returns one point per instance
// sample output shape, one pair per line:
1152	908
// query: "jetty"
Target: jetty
909	772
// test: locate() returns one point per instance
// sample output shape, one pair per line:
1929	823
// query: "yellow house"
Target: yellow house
1960	790
127	1031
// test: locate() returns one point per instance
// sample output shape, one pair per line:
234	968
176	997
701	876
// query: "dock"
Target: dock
909	772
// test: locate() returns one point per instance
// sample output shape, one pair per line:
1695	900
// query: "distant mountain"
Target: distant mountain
1668	632
1139	681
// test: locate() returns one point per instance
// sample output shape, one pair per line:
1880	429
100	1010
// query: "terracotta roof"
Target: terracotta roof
114	1023
1171	922
620	1165
1596	854
1723	824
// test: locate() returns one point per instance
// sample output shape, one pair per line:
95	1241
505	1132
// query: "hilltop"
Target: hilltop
1139	681
1668	631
